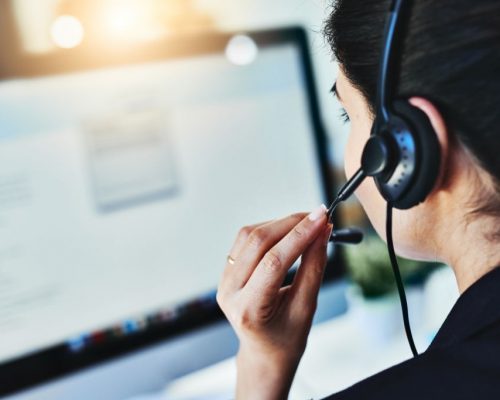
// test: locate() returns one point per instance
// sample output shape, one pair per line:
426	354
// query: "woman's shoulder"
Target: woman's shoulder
467	370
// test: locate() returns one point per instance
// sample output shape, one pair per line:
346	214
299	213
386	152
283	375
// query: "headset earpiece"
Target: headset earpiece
416	153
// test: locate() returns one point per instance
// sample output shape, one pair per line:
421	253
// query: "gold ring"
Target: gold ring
230	259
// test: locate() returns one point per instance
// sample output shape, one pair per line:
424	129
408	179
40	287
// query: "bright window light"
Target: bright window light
123	17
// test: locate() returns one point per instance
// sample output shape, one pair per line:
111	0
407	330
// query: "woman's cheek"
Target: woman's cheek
374	205
352	155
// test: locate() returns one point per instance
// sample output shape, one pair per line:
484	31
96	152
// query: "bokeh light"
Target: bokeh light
241	50
67	32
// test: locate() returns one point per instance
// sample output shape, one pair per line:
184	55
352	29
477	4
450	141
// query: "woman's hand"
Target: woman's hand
273	322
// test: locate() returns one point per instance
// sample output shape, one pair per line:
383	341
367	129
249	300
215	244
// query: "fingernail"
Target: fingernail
318	213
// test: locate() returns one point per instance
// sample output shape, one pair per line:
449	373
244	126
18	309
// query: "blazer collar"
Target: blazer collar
477	308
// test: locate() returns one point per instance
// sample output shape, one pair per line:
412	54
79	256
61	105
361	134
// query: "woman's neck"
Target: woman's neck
469	251
463	237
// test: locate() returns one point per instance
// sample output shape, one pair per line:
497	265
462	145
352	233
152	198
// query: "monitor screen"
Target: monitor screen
123	187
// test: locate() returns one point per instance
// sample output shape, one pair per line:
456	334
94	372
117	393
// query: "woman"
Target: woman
450	69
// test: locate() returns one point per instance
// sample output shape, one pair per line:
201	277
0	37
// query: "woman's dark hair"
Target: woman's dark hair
449	53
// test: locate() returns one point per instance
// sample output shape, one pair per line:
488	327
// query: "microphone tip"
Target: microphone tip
347	236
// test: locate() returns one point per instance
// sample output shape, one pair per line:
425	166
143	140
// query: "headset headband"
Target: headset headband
386	79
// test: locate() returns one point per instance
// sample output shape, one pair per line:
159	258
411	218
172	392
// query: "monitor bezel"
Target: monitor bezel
57	361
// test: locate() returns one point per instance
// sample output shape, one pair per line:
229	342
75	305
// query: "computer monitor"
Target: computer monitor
124	179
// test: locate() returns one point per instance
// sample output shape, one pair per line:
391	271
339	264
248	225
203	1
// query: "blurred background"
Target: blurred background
130	131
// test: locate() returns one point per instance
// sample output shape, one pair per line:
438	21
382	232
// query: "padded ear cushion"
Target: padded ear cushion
428	154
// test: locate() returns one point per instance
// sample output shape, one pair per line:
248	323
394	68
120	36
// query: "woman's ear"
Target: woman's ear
439	126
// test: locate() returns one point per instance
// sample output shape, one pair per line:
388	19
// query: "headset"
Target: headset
402	154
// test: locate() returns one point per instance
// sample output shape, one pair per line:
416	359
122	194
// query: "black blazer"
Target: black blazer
462	362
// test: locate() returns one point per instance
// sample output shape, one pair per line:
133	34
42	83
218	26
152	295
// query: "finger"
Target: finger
269	274
242	237
307	282
235	276
238	244
258	243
